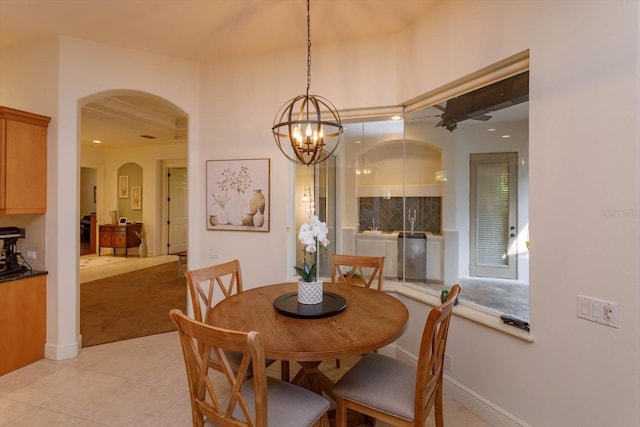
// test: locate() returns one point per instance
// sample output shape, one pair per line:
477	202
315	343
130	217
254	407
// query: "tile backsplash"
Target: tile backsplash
390	213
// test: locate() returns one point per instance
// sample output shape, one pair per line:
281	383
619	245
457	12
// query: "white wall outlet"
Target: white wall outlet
214	253
599	311
447	363
30	255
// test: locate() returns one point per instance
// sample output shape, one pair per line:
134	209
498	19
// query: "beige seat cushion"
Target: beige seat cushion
382	383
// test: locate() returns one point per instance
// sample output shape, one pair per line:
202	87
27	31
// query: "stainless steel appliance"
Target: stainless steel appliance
412	256
10	259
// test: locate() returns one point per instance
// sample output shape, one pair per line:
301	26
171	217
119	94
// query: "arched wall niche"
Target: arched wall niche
130	185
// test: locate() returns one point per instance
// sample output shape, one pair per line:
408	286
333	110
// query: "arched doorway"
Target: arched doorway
117	128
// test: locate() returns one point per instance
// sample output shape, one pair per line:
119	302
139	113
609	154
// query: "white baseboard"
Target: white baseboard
61	352
477	404
391	350
480	406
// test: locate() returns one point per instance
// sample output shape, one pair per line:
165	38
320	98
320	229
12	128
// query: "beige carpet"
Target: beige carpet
131	305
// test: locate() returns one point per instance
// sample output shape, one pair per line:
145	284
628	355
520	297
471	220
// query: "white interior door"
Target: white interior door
178	225
493	213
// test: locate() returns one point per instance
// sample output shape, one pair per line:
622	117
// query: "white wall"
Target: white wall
584	178
258	86
52	78
581	58
583	204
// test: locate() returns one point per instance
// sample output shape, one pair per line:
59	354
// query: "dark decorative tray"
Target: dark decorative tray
331	304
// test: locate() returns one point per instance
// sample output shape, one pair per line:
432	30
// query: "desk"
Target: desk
119	236
371	320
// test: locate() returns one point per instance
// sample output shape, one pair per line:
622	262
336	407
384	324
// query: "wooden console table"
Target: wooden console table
119	236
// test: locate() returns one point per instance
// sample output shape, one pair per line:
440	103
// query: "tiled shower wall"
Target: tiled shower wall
389	213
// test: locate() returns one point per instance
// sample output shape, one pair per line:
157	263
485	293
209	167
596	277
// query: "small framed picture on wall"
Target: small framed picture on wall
123	187
136	198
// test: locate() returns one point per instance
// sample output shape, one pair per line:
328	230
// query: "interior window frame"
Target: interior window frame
508	67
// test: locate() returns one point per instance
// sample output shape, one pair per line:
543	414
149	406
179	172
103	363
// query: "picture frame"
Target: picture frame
123	186
136	198
122	220
238	195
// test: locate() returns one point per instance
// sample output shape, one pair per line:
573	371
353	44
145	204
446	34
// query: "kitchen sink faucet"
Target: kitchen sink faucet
412	220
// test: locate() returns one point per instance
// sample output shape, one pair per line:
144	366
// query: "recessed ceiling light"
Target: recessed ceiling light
97	141
396	118
506	136
491	130
358	141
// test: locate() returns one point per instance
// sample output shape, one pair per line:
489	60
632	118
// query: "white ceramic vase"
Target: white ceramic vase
142	249
310	292
238	208
258	219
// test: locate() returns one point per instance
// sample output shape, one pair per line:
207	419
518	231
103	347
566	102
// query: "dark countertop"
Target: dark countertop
21	275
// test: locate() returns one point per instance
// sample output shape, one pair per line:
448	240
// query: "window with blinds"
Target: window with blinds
493	213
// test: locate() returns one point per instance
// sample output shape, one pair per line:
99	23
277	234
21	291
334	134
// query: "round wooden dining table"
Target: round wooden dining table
370	320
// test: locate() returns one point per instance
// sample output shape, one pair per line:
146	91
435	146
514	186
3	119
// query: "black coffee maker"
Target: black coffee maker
10	259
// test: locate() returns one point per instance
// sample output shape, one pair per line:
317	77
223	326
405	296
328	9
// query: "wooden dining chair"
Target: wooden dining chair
357	270
248	397
379	386
225	279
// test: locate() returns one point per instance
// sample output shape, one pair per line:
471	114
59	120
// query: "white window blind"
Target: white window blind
492	213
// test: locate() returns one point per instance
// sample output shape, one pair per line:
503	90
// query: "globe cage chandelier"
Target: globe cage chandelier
307	128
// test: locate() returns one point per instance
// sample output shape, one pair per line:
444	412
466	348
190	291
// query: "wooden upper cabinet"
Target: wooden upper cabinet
23	162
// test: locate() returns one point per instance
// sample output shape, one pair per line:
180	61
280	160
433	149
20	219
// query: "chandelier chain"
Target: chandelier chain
308	46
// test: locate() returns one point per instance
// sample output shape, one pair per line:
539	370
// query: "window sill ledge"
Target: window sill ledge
466	312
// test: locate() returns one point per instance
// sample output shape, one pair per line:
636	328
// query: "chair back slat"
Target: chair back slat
357	270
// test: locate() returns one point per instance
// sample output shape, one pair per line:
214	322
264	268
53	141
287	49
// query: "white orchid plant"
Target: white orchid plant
313	236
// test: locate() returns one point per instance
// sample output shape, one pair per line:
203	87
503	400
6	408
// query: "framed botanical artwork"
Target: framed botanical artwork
123	186
136	198
238	195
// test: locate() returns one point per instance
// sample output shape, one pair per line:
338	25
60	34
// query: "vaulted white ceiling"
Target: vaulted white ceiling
206	29
199	30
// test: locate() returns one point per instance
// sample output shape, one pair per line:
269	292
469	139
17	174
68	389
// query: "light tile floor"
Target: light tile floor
136	382
94	267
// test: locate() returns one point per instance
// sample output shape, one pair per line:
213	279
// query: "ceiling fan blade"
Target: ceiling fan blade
438	107
483	117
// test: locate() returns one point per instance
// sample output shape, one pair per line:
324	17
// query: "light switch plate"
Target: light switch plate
599	311
214	253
